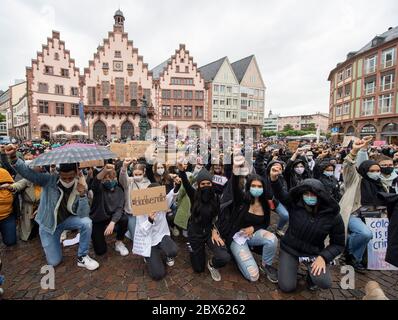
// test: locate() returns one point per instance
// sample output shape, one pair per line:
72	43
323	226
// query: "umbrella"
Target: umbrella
73	153
55	145
61	133
79	133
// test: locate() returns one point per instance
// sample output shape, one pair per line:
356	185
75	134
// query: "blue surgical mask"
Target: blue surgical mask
328	173
256	192
374	175
310	200
110	184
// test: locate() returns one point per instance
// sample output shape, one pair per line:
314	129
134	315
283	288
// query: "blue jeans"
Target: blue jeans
244	257
358	238
283	216
8	230
131	225
51	242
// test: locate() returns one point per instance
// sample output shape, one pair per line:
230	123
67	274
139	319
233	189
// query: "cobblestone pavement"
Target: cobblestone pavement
127	278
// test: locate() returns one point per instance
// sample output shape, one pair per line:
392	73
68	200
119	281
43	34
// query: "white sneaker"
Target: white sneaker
87	262
215	274
121	248
170	261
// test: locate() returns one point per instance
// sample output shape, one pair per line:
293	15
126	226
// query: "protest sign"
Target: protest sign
91	163
149	200
139	148
293	145
347	140
121	150
377	246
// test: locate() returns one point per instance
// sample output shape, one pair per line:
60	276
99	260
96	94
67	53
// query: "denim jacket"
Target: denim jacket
51	197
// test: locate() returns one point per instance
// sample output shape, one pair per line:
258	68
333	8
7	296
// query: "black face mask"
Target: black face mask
387	170
206	193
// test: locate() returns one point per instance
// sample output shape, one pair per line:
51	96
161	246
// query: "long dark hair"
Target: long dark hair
263	198
213	202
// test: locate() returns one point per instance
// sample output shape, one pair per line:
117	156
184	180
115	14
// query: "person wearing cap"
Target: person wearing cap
63	206
202	228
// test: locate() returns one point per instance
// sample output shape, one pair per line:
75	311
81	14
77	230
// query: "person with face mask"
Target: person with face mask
63	206
251	218
30	194
361	187
219	180
310	160
388	174
296	170
329	180
157	173
107	211
313	216
202	227
137	181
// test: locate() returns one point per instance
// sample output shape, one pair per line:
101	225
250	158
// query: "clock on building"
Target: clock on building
117	65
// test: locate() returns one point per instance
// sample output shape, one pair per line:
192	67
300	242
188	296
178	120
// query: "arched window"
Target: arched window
60	128
127	130
368	130
99	130
75	128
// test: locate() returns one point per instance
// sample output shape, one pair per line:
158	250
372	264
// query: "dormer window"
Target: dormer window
377	40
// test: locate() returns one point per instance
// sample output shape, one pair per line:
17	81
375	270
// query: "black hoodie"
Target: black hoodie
370	187
307	232
331	184
292	178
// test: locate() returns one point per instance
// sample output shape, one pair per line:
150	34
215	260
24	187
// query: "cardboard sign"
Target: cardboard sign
121	150
347	140
293	145
377	247
138	148
91	163
149	200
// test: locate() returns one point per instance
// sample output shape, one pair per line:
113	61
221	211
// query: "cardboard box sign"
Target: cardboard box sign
293	145
149	200
121	150
91	163
138	148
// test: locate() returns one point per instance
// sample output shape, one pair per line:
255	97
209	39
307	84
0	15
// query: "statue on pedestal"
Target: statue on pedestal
143	124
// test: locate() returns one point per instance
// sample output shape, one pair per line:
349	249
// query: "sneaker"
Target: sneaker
64	235
170	261
185	233
121	248
358	266
87	262
215	274
270	272
279	233
175	232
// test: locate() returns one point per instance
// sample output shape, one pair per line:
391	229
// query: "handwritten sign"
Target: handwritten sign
379	143
293	145
91	163
149	200
377	247
142	243
139	148
121	150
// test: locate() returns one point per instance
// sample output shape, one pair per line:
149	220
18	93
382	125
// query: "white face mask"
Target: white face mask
160	171
299	170
138	178
67	185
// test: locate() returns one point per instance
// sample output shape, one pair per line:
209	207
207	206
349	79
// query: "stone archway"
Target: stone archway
45	132
99	130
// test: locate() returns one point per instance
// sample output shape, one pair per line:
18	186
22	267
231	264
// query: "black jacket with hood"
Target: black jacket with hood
292	178
331	184
307	232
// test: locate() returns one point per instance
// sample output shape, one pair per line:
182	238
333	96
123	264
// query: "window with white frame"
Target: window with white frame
388	57
222	89
370	86
387	82
229	90
348	72
368	107
215	114
215	102
340	76
347	90
370	64
346	108
385	103
340	93
216	87
235	102
338	111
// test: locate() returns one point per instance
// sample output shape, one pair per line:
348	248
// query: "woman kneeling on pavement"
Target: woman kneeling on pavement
314	216
152	237
251	219
107	211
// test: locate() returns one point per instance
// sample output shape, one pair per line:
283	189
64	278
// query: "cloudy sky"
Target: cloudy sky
296	43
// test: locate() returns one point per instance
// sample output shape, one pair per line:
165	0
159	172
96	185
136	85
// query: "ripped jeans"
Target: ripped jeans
244	257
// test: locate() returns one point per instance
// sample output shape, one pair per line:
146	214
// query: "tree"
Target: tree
288	127
311	127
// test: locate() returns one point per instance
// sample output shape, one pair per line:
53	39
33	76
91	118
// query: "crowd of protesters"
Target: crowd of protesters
320	193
